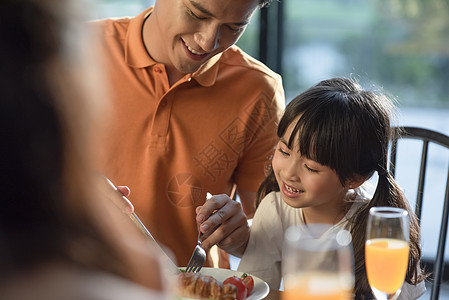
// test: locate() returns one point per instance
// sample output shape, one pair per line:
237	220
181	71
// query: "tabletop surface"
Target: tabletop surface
274	295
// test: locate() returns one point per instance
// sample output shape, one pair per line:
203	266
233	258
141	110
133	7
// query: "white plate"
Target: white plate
260	290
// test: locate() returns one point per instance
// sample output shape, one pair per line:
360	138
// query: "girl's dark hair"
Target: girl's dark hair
348	129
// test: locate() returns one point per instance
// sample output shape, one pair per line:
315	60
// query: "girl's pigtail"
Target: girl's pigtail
387	193
397	199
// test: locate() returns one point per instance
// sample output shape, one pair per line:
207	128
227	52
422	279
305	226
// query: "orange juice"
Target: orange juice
316	286
386	263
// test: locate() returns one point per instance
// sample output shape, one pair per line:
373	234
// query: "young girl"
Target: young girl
332	138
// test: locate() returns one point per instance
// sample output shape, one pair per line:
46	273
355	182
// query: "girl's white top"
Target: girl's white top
263	255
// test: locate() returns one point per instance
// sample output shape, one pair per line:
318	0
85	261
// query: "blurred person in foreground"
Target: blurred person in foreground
60	238
192	113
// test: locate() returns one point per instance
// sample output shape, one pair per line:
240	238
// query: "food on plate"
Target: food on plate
199	286
241	288
196	285
248	281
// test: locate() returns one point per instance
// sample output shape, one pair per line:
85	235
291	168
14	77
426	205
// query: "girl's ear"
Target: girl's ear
355	182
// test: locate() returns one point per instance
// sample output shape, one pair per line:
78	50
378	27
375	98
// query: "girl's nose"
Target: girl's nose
291	171
208	38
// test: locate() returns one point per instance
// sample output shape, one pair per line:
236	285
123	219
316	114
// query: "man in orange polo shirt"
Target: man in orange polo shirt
191	113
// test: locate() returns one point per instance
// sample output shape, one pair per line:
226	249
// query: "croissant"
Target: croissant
198	286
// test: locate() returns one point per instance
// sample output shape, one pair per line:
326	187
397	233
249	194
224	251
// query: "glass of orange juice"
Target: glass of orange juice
317	263
386	251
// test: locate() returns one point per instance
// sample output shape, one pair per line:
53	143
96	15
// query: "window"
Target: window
400	46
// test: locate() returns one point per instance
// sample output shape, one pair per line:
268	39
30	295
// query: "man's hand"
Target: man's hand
223	222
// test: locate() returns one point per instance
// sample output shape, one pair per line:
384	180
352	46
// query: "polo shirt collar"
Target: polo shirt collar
137	56
207	74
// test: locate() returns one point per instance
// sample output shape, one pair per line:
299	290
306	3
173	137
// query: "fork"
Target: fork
198	258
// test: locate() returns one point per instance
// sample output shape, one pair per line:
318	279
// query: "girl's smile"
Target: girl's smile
290	191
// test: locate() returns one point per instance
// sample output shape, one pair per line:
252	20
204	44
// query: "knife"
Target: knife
126	206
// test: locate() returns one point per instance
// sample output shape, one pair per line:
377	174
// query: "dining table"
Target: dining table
274	295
